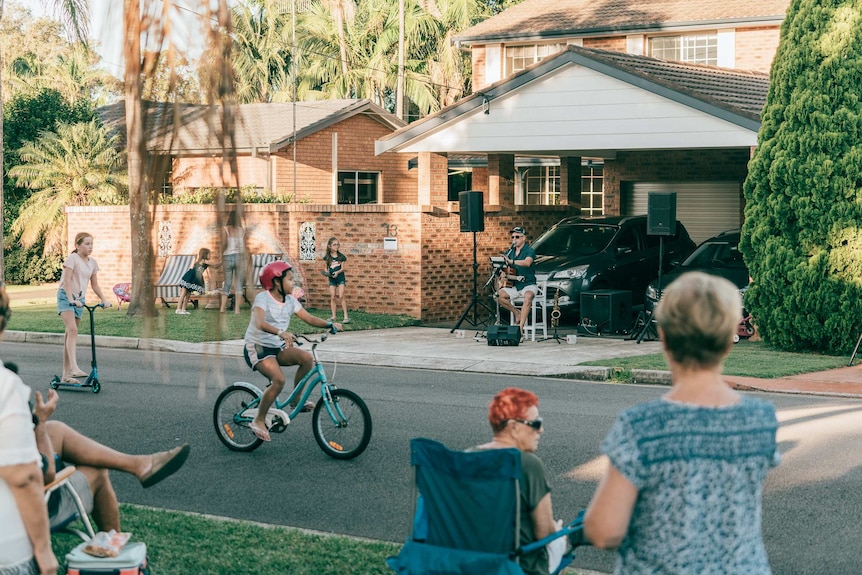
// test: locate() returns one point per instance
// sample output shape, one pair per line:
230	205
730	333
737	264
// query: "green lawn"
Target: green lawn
748	358
186	543
200	325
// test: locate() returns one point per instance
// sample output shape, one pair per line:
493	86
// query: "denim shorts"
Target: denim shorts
63	304
232	265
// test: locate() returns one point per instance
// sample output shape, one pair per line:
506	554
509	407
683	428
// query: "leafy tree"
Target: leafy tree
76	165
802	238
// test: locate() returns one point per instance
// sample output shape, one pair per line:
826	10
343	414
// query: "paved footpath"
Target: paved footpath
437	348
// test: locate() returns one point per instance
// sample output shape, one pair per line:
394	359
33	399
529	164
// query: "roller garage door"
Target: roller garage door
704	208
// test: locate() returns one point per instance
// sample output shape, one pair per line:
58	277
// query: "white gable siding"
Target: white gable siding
578	109
726	48
493	63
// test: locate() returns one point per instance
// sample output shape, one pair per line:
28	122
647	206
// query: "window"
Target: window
693	48
519	57
357	187
460	180
592	190
540	185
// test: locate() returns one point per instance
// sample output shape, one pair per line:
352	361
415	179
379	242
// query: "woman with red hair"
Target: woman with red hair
515	421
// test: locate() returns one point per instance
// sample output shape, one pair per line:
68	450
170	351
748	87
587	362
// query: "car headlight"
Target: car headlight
576	272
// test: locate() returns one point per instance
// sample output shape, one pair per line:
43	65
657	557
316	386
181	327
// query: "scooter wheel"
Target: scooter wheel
54	384
96	387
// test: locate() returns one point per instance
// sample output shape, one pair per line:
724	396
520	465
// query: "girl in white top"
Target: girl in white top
25	538
268	344
79	269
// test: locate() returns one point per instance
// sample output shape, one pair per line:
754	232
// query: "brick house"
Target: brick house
595	104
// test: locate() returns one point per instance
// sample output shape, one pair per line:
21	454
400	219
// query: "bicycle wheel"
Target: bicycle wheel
348	434
231	427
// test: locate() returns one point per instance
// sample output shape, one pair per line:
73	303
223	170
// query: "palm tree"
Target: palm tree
74	166
76	14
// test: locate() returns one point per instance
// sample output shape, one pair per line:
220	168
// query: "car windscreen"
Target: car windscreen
574	240
715	254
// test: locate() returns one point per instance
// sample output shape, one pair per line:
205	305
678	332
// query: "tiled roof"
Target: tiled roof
734	95
595	17
737	91
261	126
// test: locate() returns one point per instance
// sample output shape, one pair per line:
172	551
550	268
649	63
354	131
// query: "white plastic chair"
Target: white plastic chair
538	319
61	481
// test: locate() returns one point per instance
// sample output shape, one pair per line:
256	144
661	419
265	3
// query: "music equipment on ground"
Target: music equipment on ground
605	311
661	213
471	212
504	335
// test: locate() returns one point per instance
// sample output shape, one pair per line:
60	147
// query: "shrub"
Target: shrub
250	195
801	238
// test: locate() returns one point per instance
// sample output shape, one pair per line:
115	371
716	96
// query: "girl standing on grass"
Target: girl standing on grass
334	261
79	269
193	280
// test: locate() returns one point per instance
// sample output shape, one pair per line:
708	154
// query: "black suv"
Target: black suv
608	252
718	256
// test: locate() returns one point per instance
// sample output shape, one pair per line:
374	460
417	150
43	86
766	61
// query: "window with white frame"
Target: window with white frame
519	57
592	190
692	48
357	187
540	185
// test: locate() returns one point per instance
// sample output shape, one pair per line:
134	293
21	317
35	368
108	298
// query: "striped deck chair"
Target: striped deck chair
167	287
252	283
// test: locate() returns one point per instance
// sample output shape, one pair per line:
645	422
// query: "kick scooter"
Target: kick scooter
93	379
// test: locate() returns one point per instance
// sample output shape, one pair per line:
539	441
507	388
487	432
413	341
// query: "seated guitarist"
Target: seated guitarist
520	257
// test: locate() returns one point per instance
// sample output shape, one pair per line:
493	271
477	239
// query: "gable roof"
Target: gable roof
735	96
265	127
572	18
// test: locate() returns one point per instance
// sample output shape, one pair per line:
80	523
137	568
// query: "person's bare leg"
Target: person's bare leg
506	303
106	509
70	342
270	369
223	303
339	293
79	450
332	300
525	309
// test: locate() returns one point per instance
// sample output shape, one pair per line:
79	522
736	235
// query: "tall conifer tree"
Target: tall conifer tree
802	237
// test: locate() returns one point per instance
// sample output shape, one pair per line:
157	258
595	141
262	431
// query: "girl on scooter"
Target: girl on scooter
79	270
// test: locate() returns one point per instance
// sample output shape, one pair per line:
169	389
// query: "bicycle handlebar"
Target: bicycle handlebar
332	330
93	307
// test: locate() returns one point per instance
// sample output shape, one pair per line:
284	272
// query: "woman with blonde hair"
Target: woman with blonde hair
682	493
79	270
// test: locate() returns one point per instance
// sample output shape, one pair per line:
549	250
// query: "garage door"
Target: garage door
704	208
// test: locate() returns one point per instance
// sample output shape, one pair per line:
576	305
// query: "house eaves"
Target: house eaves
573	18
735	96
197	130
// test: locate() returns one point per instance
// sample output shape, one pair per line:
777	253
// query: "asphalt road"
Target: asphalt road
152	401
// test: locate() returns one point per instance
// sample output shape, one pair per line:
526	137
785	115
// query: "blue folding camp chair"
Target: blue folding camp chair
466	519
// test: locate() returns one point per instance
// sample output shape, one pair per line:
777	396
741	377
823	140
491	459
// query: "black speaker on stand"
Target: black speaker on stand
661	222
472	217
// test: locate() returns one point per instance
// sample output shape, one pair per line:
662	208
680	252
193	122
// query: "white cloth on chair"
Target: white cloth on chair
538	318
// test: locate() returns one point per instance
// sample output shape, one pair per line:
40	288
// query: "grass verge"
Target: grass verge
185	543
200	325
747	359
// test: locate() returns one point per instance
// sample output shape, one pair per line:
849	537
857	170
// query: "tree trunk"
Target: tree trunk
142	300
2	178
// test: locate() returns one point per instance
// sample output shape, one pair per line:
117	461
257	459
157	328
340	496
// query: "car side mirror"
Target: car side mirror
621	251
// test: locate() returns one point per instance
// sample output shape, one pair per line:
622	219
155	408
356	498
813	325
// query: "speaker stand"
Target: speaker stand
475	301
555	336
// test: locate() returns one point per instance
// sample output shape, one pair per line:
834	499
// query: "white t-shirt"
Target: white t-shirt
275	313
17	446
81	271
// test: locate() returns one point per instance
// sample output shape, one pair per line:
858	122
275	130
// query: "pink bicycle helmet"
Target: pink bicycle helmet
271	271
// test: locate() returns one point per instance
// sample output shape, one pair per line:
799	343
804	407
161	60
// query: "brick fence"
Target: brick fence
428	275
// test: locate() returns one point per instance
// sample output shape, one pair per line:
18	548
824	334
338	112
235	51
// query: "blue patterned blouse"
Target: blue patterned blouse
699	472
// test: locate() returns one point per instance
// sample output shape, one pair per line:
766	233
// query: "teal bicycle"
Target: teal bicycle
340	422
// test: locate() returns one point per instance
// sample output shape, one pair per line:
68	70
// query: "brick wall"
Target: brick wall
610	43
478	59
429	276
211	172
756	47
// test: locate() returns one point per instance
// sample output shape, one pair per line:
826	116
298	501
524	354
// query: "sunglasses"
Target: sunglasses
517	237
535	423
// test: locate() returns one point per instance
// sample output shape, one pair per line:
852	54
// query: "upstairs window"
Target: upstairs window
519	57
691	48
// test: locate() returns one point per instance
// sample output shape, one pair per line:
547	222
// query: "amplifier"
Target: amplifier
608	311
504	335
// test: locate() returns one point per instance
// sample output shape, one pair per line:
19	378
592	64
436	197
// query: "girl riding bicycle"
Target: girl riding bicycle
268	344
